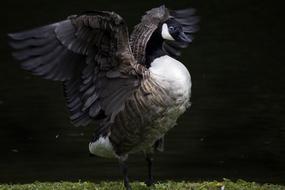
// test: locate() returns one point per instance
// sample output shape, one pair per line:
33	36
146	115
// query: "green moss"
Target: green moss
169	185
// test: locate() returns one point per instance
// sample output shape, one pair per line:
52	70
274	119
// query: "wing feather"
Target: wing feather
90	54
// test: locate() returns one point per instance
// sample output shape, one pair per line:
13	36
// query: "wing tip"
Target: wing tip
10	35
184	12
15	36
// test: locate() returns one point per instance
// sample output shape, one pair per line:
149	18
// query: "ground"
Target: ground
168	185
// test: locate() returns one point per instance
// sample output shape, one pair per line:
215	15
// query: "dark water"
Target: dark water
235	128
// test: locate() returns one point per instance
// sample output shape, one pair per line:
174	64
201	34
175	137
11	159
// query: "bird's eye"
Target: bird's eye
171	28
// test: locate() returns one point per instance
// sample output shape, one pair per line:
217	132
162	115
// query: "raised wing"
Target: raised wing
90	53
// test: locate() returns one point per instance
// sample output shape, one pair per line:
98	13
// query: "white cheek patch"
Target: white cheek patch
165	33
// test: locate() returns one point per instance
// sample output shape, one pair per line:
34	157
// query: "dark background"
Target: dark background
234	129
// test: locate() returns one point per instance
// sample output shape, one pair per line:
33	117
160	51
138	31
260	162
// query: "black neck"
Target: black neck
154	47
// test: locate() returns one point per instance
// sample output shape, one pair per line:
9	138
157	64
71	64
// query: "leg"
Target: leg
124	169
149	159
159	145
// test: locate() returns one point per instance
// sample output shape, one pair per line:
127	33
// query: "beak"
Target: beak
182	37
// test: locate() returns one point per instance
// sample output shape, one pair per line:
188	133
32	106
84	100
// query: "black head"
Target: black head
173	30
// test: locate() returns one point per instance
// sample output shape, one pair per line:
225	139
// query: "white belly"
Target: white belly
173	76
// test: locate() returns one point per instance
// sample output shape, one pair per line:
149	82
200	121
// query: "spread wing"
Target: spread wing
90	54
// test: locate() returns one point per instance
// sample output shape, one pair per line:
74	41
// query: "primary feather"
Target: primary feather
82	51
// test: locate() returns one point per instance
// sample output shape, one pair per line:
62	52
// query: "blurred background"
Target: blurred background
234	129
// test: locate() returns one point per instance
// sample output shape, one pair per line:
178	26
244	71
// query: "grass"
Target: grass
169	185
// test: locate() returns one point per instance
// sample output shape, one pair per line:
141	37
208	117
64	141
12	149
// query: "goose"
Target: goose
132	87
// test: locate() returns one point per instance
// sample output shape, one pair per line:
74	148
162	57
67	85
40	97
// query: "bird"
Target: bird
130	88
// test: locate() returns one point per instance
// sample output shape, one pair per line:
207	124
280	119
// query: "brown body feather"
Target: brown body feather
149	113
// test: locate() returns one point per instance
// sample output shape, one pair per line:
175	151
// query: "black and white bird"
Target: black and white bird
133	87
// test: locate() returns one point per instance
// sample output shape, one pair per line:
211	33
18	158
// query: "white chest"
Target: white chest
172	75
